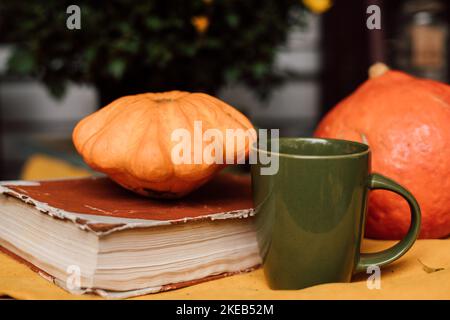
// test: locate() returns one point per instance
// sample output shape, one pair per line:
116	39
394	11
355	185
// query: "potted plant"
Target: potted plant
129	47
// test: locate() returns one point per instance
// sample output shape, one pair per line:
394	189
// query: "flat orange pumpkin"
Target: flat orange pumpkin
406	122
131	140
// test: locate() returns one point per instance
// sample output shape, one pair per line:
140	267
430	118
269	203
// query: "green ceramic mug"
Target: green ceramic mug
310	214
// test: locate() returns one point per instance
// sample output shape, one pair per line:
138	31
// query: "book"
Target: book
90	235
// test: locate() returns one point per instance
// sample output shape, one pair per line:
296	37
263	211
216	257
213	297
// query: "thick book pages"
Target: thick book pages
123	244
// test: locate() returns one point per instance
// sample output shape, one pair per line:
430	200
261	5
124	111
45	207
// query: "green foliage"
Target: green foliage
125	47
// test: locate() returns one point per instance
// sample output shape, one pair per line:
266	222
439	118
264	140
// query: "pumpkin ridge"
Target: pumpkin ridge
180	107
232	116
209	124
129	155
107	122
109	129
235	119
167	158
111	122
216	106
210	105
223	107
140	144
190	123
200	109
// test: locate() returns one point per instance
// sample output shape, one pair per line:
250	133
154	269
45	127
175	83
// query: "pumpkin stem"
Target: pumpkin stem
377	69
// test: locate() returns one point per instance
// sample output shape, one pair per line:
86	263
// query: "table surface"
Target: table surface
411	277
406	278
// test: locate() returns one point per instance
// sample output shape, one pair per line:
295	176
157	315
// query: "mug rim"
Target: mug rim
298	156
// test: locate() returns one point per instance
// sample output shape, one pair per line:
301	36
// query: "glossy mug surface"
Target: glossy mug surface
310	214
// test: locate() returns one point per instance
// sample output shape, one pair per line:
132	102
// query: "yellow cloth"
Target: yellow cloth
40	167
406	278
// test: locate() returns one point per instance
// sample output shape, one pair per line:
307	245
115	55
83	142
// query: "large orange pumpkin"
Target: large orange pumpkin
406	122
131	140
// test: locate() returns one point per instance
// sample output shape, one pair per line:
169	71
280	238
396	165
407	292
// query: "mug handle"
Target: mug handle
377	181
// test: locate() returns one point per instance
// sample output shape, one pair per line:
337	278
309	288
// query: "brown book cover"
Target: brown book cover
99	205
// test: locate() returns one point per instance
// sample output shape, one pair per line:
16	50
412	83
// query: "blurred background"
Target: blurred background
283	63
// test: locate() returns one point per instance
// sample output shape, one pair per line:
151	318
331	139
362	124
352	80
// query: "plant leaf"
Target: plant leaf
232	20
21	62
57	89
429	269
116	68
153	23
232	74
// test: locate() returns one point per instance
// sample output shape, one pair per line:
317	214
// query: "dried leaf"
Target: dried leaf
429	269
